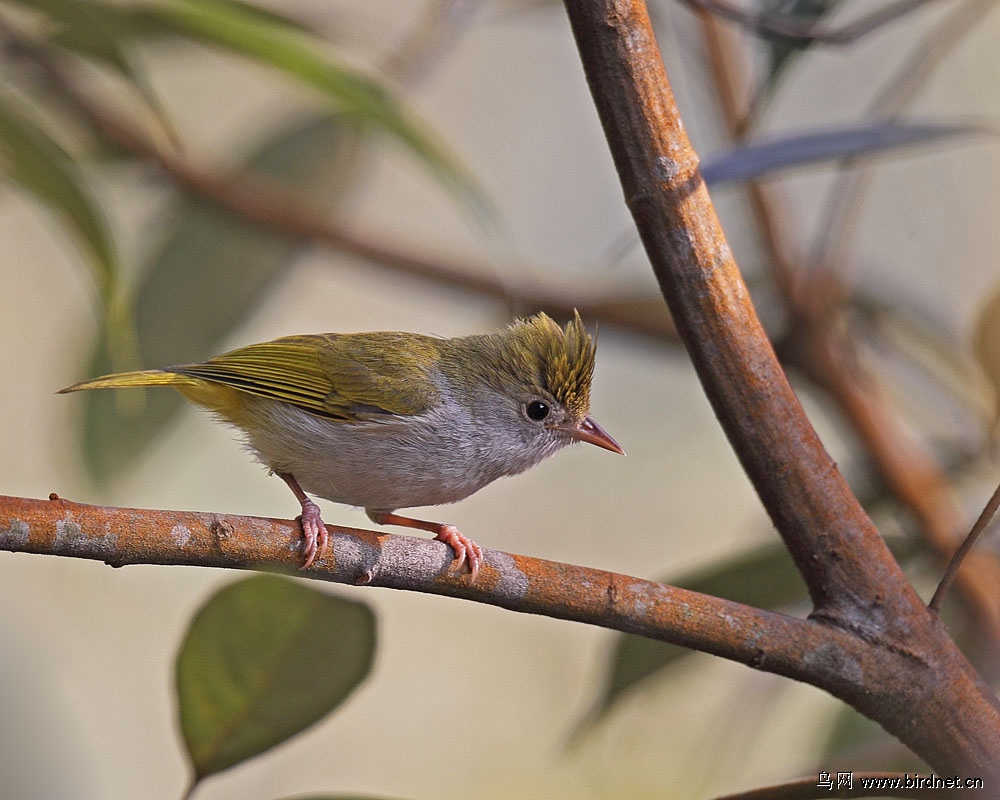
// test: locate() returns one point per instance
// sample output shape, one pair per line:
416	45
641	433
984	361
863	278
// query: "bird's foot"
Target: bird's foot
465	549
314	533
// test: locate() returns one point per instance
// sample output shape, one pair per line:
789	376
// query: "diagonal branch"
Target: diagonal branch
836	547
855	583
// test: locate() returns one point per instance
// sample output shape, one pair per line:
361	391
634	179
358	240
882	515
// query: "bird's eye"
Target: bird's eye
537	410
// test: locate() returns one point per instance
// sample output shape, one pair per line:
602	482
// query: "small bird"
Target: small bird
389	420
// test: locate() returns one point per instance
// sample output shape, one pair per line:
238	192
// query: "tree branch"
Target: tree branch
808	499
964	548
806	650
881	784
818	344
839	661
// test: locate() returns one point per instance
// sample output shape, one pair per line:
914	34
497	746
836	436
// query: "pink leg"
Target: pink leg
464	547
314	532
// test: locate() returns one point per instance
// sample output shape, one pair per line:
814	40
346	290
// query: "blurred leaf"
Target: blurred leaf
765	578
858	743
986	347
99	32
781	50
761	158
39	165
265	658
246	31
36	162
336	797
212	270
93	30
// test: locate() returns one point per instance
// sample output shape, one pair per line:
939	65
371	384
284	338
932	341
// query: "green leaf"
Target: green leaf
986	348
858	743
264	659
206	277
758	159
245	31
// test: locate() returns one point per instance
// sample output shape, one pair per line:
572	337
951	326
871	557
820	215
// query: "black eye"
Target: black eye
537	410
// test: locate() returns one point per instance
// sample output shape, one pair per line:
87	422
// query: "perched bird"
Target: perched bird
390	420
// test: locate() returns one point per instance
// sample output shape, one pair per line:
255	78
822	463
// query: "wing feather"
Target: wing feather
341	376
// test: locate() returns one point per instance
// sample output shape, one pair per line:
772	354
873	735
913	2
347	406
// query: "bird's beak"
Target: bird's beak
589	431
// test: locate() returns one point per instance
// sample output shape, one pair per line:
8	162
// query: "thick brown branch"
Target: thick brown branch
819	345
850	573
842	662
854	581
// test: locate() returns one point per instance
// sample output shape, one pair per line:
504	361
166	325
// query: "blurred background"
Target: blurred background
445	173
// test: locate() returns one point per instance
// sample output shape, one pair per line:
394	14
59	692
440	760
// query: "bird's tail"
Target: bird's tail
147	377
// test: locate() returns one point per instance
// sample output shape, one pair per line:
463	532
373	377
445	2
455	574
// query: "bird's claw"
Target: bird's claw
314	533
465	549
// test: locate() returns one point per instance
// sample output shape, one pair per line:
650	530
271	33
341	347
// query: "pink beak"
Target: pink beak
589	431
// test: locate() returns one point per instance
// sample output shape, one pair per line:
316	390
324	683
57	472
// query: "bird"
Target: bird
388	420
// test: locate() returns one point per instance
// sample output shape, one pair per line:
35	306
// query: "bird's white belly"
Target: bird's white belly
398	462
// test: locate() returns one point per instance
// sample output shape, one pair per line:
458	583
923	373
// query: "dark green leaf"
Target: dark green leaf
765	578
759	159
858	743
211	271
782	50
265	658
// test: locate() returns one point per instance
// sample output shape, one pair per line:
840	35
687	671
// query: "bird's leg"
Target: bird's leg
465	549
313	530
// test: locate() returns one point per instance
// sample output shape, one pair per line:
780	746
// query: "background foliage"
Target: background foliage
207	173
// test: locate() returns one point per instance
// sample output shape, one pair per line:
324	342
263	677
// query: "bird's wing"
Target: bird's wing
341	376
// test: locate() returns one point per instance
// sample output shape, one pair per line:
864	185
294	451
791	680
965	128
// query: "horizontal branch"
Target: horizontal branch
866	674
801	649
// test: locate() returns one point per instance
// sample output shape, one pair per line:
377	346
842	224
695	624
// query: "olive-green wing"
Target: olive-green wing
342	376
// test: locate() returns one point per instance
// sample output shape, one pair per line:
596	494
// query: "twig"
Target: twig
963	550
